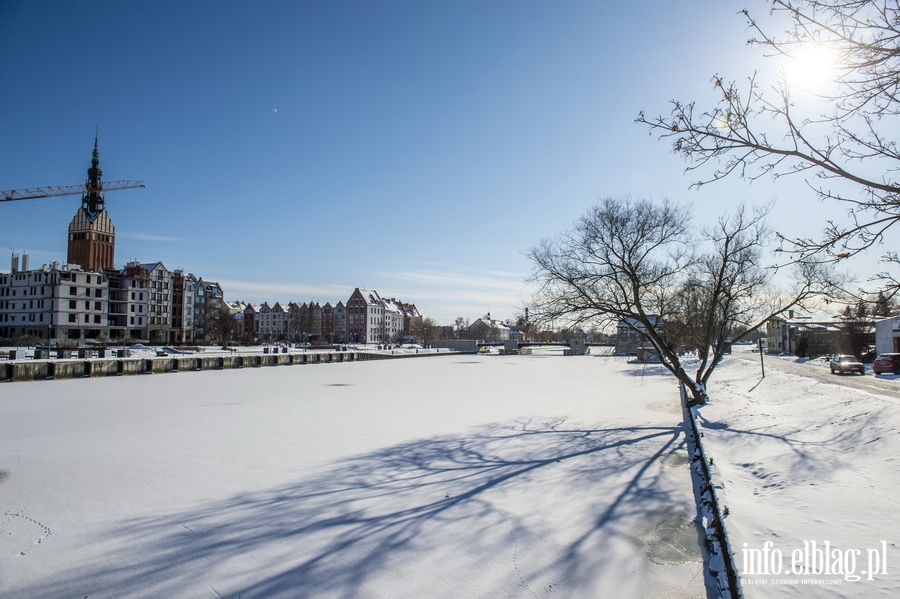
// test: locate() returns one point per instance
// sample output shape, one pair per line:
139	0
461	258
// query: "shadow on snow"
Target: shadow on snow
442	506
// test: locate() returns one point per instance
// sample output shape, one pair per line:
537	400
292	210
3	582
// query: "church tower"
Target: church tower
92	236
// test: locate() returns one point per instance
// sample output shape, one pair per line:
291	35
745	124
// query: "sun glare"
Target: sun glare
811	67
722	125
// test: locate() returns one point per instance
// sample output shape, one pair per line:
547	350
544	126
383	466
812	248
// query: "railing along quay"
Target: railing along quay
42	370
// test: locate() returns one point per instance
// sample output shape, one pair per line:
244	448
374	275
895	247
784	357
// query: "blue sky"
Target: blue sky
419	148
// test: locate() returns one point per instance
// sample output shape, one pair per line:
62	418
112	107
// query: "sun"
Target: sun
811	67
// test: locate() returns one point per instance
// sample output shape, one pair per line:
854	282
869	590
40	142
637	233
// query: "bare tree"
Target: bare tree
883	305
300	321
855	330
296	322
23	340
221	325
427	330
461	327
753	132
630	261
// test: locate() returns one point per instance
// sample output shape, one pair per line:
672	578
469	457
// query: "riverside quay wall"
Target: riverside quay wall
42	370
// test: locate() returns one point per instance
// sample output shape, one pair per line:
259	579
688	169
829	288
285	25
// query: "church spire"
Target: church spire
92	201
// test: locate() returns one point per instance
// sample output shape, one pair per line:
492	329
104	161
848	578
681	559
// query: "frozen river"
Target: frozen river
460	476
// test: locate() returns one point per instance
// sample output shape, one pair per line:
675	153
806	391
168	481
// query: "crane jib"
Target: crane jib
49	191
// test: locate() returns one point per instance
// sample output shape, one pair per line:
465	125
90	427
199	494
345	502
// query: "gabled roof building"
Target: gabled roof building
488	329
365	316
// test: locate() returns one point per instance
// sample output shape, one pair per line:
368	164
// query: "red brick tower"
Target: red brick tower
92	236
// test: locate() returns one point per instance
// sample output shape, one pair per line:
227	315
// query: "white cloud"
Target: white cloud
444	292
146	237
440	291
257	293
454	279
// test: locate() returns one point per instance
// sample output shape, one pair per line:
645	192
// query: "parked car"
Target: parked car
844	363
886	364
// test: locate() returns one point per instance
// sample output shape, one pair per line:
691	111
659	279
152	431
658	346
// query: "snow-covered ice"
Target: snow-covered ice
456	476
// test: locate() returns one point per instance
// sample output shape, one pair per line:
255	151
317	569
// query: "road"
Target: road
883	384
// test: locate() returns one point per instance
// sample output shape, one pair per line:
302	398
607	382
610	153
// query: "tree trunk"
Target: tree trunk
698	395
697	389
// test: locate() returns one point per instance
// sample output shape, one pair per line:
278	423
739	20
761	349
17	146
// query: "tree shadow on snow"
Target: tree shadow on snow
808	452
443	507
642	369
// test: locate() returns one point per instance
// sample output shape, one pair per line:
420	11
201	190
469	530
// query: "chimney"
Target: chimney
26	259
15	263
790	313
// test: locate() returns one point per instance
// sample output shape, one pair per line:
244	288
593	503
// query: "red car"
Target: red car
886	364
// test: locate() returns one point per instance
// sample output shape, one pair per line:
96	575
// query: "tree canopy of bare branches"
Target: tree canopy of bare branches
644	265
426	329
221	324
847	154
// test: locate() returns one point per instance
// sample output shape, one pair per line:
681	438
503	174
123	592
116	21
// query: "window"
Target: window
98	306
71	318
132	307
96	319
140	308
72	305
140	320
72	291
132	295
140	296
87	318
98	293
87	305
132	320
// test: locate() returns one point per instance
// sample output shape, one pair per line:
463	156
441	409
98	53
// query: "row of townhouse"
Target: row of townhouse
366	317
295	322
142	302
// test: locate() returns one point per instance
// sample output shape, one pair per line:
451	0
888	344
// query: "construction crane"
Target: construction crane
70	190
90	191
